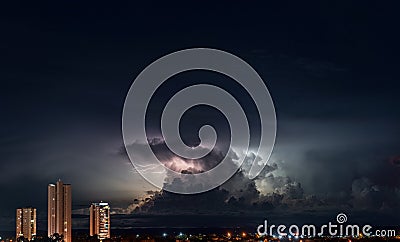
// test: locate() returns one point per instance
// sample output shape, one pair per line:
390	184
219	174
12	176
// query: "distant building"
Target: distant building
59	210
100	220
26	223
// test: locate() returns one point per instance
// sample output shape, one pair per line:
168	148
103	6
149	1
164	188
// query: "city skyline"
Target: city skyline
59	216
100	227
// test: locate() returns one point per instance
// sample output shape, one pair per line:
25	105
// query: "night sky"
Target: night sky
332	70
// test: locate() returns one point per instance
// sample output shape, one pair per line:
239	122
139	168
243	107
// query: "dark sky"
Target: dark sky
332	70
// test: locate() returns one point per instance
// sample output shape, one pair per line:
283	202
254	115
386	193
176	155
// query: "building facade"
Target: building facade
59	210
26	223
100	220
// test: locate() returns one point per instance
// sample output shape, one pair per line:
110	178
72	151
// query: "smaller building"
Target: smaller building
100	220
26	223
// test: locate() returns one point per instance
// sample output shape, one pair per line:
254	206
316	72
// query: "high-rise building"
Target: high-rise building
100	220
26	223
59	210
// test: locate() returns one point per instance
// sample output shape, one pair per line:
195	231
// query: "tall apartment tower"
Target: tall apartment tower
26	223
59	210
100	220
